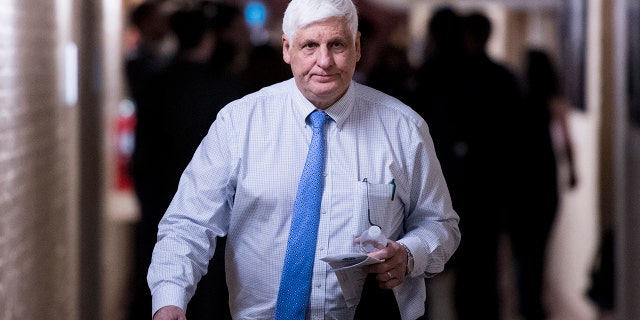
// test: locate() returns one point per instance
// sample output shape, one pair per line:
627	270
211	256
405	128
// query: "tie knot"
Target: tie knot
317	118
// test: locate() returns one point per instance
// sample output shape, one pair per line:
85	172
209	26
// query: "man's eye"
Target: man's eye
309	45
338	47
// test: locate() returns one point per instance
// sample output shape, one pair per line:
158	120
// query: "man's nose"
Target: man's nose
325	59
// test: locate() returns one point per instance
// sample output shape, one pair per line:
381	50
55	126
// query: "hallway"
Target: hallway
66	233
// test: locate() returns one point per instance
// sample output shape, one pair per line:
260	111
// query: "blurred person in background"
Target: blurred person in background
233	45
241	182
193	89
265	65
470	103
546	143
177	98
388	69
149	58
393	75
256	64
153	46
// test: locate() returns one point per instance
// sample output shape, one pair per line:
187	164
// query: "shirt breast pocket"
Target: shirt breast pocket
381	207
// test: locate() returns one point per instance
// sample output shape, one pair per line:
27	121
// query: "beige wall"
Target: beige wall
625	170
36	137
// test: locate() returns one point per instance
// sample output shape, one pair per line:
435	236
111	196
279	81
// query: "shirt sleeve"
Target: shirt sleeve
197	215
431	225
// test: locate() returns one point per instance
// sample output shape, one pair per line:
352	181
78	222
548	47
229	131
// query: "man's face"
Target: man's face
323	58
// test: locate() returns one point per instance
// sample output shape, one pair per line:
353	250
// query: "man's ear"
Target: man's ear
286	46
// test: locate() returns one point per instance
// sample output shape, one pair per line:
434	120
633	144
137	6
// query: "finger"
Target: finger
390	263
384	276
390	284
391	275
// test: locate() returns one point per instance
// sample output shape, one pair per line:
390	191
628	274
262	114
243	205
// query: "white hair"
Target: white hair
300	13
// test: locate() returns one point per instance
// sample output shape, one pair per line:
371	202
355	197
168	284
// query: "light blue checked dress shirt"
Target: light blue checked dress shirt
242	183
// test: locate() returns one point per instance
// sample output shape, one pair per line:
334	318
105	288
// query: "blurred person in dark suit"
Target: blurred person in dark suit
148	59
255	64
470	103
233	44
193	89
265	67
393	74
180	100
153	46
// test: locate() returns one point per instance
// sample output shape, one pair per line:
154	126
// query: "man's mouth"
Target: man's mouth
323	77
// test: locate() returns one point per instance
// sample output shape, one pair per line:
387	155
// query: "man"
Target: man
379	168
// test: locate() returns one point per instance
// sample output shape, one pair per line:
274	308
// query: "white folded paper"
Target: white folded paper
351	276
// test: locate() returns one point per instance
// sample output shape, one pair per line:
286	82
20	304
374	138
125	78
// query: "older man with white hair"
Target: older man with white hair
296	172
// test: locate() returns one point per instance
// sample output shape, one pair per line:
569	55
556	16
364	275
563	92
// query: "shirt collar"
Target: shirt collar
339	111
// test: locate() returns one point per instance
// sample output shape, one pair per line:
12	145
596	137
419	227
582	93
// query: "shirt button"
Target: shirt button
318	285
324	211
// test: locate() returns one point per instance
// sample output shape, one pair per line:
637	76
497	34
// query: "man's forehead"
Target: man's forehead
333	27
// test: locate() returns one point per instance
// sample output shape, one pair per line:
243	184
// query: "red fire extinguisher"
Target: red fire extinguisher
125	143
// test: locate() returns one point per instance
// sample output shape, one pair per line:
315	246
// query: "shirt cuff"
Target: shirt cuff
168	295
419	255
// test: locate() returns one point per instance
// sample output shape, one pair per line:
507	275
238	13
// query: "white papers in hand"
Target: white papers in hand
351	276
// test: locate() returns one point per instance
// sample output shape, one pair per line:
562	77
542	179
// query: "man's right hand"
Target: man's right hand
170	313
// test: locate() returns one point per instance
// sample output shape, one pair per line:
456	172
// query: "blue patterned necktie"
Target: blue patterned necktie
295	285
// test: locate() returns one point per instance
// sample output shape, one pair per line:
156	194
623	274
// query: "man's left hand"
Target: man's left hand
391	272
